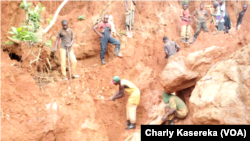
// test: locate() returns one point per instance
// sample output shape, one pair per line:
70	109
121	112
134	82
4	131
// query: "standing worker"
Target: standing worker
130	14
175	108
219	16
241	15
67	36
185	23
170	47
201	21
133	100
227	22
106	37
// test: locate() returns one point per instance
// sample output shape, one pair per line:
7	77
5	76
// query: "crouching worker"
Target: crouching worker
133	100
175	108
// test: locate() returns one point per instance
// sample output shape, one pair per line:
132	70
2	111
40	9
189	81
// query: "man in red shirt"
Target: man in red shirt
106	37
185	23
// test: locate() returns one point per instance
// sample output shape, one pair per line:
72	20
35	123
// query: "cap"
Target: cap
115	79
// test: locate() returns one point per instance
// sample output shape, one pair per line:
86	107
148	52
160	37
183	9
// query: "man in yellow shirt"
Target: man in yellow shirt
133	100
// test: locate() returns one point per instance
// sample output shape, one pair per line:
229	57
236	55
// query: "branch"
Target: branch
36	57
55	17
48	63
14	40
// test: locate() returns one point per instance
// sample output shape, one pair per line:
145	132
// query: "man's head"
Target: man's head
245	7
184	6
201	6
106	18
64	24
220	2
215	4
116	80
166	97
165	39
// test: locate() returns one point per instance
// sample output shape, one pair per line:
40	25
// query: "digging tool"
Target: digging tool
100	99
69	66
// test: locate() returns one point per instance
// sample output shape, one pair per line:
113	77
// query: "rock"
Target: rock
182	72
225	98
83	51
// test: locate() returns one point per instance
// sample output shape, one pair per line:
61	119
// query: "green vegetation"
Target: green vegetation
7	42
25	6
82	17
23	34
123	32
185	1
31	25
49	19
48	43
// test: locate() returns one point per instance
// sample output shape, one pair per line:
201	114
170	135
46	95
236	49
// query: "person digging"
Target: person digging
175	108
67	36
133	100
201	21
106	37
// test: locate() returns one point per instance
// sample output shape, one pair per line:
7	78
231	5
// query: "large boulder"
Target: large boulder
182	72
222	96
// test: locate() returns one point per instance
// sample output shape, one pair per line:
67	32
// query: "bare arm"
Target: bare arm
177	47
195	13
170	112
119	94
94	28
133	2
185	19
195	18
57	41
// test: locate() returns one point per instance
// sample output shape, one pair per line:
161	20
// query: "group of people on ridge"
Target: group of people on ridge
222	19
175	107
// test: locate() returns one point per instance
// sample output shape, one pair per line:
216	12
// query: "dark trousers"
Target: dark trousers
227	22
199	26
107	39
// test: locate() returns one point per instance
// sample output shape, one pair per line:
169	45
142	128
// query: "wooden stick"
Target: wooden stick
36	57
14	40
48	63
